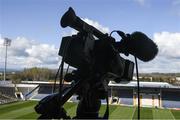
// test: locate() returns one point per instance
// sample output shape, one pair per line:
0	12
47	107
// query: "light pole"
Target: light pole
7	42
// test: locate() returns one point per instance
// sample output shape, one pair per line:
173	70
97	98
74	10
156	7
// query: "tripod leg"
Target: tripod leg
88	108
43	116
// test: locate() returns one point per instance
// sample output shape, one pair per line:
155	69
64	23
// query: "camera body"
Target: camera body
98	55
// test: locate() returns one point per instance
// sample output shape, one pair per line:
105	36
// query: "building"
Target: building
152	94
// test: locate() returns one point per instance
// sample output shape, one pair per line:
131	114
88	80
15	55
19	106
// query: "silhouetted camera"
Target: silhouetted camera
84	49
97	59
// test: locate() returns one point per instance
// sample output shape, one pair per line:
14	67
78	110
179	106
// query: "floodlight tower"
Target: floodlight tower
7	42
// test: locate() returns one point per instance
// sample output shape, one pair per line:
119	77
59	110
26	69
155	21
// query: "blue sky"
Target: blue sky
38	20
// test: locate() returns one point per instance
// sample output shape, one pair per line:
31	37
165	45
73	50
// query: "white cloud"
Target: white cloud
168	59
44	52
160	64
168	44
95	24
28	53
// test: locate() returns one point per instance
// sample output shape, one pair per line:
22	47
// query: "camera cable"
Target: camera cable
123	35
138	88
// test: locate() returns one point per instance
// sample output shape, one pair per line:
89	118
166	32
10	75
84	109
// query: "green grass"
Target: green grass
15	110
25	110
176	114
162	114
122	112
70	109
145	113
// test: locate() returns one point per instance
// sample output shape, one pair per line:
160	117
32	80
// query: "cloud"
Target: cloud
28	53
168	44
95	24
168	59
44	52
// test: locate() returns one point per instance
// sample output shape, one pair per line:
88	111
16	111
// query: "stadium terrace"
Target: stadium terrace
152	94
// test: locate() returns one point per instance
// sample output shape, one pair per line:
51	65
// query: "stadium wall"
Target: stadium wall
151	94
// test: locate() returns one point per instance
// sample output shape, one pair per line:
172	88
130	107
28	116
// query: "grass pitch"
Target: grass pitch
25	110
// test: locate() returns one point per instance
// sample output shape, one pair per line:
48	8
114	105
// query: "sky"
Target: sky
35	31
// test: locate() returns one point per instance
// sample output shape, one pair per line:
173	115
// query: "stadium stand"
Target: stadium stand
121	96
170	104
126	96
152	94
170	95
45	89
41	90
6	99
126	101
25	90
7	91
170	99
39	96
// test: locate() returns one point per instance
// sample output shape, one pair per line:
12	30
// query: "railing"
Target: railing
28	95
6	99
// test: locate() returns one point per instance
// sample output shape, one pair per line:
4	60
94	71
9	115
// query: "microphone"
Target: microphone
139	45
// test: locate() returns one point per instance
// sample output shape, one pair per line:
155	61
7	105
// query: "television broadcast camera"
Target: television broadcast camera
96	57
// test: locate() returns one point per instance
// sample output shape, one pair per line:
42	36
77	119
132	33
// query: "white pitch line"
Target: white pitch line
133	112
172	115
